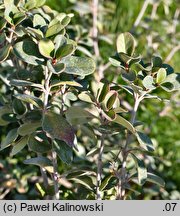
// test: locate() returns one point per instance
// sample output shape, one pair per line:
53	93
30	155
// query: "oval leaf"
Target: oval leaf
82	66
57	127
46	48
122	121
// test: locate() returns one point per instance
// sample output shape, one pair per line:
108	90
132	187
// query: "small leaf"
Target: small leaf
115	61
68	83
82	66
105	182
28	128
167	86
57	68
148	82
120	110
64	50
145	141
4	52
110	115
125	43
161	75
174	79
63	151
78	115
23	83
141	169
110	102
18	107
10	138
38	21
86	96
156	61
3	111
19	145
46	48
38	142
103	92
129	76
28	52
39	161
155	179
30	99
57	127
54	29
122	121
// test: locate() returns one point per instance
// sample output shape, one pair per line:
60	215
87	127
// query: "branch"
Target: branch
171	54
141	13
95	29
99	167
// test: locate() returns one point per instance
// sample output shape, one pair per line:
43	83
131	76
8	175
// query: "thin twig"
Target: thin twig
95	29
55	175
171	54
99	168
141	13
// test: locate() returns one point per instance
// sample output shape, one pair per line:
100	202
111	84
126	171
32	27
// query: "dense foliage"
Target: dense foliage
87	111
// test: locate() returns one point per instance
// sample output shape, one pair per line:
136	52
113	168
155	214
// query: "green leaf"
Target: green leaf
43	162
110	115
85	181
3	111
122	121
141	169
148	82
115	61
23	83
38	142
82	66
10	138
161	75
128	59
4	52
18	18
108	183
144	141
156	61
103	92
57	68
86	96
28	52
125	43
155	179
30	4
2	22
19	145
59	40
119	110
30	99
78	115
174	79
64	50
46	48
57	127
63	151
68	83
38	21
54	29
18	107
110	102
129	76
28	128
167	86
